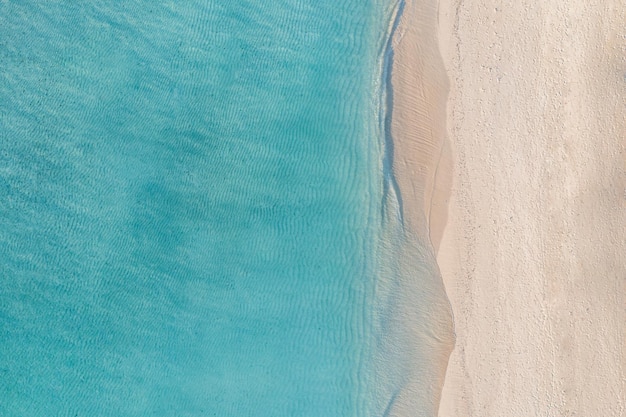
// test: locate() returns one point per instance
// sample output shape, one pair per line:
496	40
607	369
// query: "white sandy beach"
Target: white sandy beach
533	253
520	183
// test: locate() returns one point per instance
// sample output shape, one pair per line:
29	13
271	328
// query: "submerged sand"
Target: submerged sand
533	254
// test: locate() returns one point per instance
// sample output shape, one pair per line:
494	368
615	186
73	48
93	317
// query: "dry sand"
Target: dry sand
533	254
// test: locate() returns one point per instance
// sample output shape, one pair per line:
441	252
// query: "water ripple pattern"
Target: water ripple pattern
189	206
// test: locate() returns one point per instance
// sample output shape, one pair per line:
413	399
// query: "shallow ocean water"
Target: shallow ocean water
190	207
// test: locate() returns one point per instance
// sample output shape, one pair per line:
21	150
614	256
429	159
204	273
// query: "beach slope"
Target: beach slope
419	331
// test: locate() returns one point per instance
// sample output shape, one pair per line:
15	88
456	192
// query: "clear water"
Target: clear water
190	207
187	202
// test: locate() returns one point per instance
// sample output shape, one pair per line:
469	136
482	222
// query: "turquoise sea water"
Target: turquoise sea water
190	207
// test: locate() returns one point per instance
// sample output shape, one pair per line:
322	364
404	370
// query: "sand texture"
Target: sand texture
418	125
421	326
533	253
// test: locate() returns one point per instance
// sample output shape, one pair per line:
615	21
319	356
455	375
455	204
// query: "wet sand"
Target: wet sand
418	126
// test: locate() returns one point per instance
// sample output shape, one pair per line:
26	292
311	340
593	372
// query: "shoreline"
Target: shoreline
532	252
419	88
